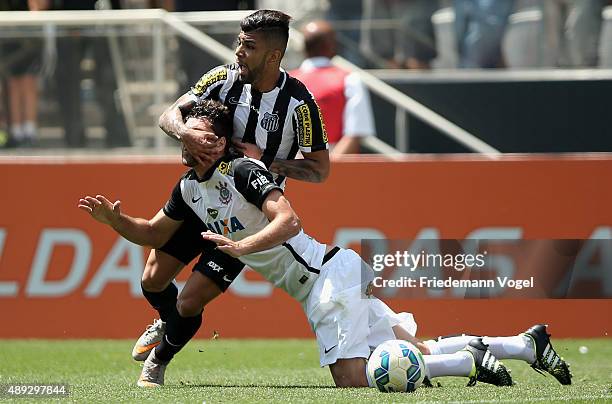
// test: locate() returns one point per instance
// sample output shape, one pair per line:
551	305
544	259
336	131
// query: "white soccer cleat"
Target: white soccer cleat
153	370
149	340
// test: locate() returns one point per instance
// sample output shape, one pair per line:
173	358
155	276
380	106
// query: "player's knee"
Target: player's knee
157	273
150	282
188	306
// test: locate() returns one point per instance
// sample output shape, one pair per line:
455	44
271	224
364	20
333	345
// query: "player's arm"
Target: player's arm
312	141
202	147
257	185
172	120
284	224
154	232
314	167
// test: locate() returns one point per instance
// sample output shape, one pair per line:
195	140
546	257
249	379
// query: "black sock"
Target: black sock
179	331
164	302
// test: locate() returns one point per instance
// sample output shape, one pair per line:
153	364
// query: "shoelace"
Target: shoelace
151	330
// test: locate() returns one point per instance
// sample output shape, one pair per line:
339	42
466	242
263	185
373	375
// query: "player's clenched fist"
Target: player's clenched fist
101	209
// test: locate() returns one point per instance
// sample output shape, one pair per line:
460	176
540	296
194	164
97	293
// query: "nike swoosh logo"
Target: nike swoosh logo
234	100
327	350
226	279
195	200
146	348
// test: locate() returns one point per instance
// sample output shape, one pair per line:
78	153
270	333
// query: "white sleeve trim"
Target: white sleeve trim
358	117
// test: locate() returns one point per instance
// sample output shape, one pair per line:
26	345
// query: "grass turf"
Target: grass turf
267	371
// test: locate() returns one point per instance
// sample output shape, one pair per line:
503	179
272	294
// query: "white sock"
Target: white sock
448	345
17	131
29	129
370	381
455	364
516	347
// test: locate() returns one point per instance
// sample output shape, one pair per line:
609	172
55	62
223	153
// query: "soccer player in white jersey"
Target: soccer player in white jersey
248	217
274	116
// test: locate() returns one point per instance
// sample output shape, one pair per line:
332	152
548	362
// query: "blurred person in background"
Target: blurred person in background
71	50
571	30
21	60
348	14
342	96
412	44
480	26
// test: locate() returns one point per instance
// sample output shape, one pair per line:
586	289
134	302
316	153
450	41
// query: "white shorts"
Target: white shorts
347	323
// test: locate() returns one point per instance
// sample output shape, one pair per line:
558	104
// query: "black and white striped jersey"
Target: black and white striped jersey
280	122
228	200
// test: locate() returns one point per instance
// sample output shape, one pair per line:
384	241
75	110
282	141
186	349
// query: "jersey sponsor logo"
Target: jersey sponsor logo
270	122
224	167
209	79
194	200
225	195
322	122
304	125
259	181
212	212
214	266
225	226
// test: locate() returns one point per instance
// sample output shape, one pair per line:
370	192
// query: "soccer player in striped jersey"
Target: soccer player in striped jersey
274	117
247	217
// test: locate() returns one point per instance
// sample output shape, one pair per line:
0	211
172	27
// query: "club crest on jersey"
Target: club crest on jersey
225	195
225	226
270	122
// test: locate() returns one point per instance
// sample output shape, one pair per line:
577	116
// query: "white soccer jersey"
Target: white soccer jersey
228	200
280	122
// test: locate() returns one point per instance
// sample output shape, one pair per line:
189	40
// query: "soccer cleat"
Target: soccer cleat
148	340
487	368
153	370
547	358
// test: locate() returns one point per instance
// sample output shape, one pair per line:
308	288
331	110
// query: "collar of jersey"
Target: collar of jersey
280	83
194	176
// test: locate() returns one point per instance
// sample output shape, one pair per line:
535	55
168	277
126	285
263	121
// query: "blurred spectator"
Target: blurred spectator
571	30
71	49
22	62
479	28
412	44
342	97
193	60
348	14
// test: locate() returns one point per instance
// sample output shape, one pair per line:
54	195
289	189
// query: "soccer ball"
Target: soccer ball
396	365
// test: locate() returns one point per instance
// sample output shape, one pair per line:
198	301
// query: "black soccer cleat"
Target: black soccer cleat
487	368
547	358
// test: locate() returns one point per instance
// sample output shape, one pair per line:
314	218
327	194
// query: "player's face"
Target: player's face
251	54
206	128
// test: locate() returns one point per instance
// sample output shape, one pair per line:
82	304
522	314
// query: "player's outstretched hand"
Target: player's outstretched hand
101	209
224	244
248	149
202	145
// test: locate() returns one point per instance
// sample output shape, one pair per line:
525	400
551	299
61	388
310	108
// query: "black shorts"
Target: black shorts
187	243
220	268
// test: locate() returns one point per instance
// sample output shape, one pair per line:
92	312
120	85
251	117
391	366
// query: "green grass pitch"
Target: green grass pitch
266	371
